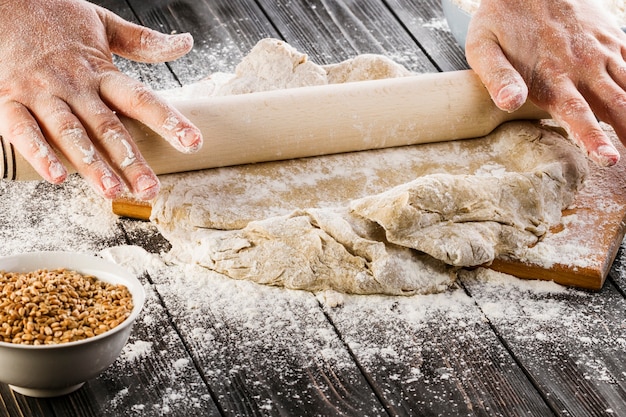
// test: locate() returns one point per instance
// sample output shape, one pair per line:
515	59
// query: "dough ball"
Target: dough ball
365	67
273	64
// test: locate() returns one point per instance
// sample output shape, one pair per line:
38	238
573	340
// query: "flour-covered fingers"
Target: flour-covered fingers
117	147
18	126
570	109
140	43
139	102
63	129
505	85
607	98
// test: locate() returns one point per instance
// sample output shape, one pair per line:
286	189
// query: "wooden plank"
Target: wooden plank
154	376
13	404
587	240
425	21
157	76
435	355
571	342
263	350
332	31
224	32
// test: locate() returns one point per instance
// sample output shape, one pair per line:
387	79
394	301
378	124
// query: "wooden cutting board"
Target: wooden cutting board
589	237
584	245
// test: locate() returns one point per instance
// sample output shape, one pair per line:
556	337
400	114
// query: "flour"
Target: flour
71	215
135	351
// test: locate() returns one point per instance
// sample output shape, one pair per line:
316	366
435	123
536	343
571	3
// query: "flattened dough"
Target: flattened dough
391	221
316	250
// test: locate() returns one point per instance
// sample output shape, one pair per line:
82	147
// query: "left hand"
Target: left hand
61	92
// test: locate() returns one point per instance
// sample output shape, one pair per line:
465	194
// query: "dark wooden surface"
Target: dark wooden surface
504	348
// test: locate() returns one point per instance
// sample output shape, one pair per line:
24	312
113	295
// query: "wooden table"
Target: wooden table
507	348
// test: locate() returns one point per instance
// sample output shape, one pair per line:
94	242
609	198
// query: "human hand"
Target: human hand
60	91
566	56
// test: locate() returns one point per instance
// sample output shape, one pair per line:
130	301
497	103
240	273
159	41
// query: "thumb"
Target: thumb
505	85
139	43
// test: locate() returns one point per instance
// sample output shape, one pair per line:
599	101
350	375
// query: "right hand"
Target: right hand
566	56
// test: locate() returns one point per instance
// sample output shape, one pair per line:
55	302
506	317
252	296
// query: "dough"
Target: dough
316	250
273	64
390	221
467	220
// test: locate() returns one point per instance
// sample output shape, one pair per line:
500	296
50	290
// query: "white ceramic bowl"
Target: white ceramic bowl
458	20
53	370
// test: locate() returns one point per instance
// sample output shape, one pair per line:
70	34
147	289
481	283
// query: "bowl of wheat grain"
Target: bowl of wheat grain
64	318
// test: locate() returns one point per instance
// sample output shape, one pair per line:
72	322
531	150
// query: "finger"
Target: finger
65	131
572	112
117	147
19	127
140	103
504	84
608	100
142	44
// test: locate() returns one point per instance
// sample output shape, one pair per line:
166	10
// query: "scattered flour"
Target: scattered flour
181	364
70	216
136	350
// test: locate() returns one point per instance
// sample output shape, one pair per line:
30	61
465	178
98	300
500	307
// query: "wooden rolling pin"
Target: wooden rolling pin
320	120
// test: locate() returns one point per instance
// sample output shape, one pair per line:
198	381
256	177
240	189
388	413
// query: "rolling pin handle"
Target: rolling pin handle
7	160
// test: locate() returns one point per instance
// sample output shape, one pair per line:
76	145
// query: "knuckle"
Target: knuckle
109	130
24	128
142	96
69	129
616	100
572	106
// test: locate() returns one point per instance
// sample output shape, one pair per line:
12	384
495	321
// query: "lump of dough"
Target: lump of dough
273	64
472	201
365	67
319	249
469	220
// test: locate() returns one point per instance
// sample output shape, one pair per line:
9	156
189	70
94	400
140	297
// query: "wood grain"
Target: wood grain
449	354
579	374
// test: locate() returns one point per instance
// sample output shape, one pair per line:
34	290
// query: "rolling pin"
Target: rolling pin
320	120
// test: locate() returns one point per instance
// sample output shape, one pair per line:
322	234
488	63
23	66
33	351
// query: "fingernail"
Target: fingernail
606	156
57	171
146	187
190	139
110	184
181	41
511	97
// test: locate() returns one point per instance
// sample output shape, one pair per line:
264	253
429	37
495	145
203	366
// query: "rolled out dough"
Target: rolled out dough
391	221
